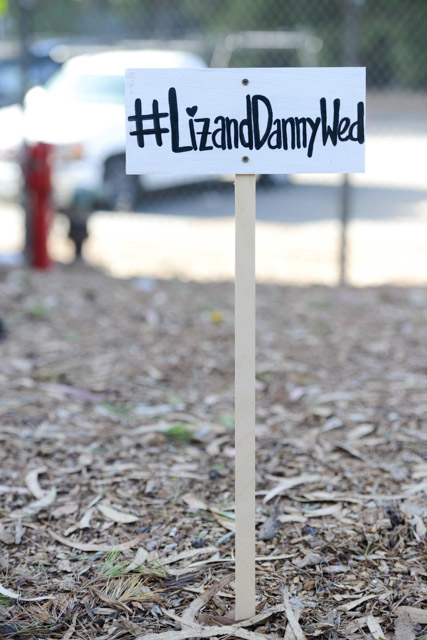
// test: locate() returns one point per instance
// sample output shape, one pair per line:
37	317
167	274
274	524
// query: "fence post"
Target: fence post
351	56
25	8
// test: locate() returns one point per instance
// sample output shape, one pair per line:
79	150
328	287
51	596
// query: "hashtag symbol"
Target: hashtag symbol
139	118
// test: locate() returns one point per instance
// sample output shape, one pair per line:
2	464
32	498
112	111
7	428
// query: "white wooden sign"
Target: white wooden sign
245	121
213	121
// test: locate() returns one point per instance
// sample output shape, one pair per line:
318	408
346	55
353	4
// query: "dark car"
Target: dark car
40	66
40	62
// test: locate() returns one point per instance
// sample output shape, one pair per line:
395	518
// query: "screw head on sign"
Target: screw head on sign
245	159
245	81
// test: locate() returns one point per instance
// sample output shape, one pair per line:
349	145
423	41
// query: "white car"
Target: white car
81	112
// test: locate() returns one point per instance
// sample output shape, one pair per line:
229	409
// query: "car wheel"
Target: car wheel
121	192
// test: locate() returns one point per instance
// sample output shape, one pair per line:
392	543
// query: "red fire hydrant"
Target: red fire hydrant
37	174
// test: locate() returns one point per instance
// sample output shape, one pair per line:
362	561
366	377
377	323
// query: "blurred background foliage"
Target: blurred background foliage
391	38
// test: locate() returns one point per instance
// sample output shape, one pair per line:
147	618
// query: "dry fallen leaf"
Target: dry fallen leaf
9	593
65	509
197	631
355	603
189	614
22	491
87	546
323	511
270	528
84	522
31	480
190	553
225	520
289	483
115	515
6	536
194	502
118	456
111	601
139	559
310	559
33	507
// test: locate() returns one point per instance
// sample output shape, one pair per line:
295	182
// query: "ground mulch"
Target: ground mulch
116	460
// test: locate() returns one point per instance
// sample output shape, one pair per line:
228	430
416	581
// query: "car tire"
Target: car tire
121	192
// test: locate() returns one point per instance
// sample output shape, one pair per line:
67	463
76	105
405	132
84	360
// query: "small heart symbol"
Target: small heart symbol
191	111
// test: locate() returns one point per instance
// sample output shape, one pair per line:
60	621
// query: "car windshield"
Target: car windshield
87	88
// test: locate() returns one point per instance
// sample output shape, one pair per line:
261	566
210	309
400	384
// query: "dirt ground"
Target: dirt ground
116	458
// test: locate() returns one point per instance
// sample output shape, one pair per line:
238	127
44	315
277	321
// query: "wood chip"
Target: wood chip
367	518
418	616
69	633
404	629
375	628
289	634
292	619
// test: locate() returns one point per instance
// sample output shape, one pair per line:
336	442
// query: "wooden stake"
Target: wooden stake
245	396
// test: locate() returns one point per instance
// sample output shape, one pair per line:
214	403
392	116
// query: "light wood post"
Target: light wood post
245	396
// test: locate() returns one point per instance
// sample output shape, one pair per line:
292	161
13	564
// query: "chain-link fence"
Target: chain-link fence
386	36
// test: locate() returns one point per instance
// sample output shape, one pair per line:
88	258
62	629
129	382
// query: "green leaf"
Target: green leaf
227	420
226	514
182	432
115	408
39	311
109	568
